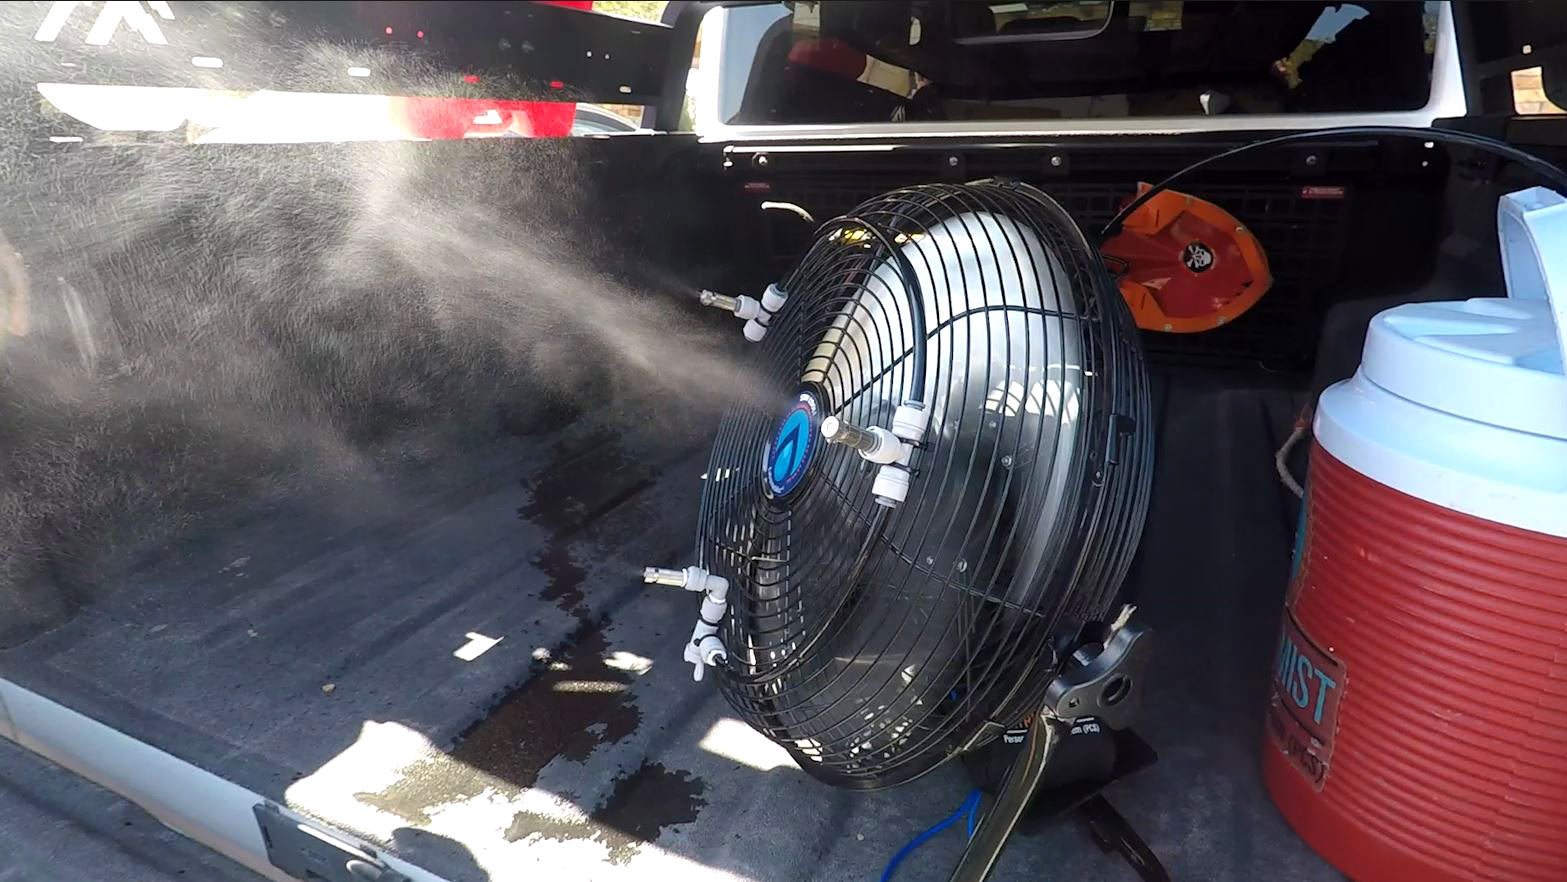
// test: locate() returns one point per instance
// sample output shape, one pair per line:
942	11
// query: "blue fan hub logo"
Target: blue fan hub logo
793	445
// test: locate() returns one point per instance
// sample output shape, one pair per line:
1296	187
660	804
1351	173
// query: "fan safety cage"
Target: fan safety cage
874	641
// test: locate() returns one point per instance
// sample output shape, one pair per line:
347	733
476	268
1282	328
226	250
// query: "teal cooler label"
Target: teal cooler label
1307	686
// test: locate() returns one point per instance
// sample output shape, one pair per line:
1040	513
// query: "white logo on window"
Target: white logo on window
114	13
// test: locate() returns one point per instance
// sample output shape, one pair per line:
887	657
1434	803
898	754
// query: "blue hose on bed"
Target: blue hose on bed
969	808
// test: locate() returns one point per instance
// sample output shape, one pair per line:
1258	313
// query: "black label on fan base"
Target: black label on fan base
793	446
1019	733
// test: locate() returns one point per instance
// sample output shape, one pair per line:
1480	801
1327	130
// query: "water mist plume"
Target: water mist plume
189	325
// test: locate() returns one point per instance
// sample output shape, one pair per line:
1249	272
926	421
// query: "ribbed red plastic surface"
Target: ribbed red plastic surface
1449	756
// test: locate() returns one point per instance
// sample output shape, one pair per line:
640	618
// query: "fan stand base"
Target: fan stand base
1062	767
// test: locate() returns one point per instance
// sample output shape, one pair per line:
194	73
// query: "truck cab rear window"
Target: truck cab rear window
843	62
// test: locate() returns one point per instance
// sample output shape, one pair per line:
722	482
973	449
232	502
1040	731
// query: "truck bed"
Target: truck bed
461	664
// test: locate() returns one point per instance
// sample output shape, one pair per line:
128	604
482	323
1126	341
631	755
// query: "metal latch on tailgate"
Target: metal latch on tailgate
314	855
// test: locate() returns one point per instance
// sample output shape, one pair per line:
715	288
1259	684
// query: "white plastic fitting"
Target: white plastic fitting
889	448
747	307
704	649
892	449
756	313
909	422
773	298
690	578
891	486
705	652
756	329
741	305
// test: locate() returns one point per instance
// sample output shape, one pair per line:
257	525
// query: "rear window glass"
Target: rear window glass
150	73
1530	97
846	62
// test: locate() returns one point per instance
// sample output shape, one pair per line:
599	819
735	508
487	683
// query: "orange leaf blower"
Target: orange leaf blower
1186	265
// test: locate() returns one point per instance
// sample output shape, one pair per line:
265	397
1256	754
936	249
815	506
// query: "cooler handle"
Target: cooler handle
1531	226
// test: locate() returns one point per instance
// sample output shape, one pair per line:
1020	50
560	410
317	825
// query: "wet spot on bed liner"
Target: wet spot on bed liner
642	805
565	498
618	722
568	708
564	577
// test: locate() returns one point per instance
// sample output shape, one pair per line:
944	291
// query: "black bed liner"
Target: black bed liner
306	652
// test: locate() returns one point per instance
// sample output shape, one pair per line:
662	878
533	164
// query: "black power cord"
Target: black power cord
1547	170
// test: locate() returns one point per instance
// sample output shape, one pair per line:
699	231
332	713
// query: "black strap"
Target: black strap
1112	833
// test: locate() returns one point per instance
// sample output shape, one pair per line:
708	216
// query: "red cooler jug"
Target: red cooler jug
1416	727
